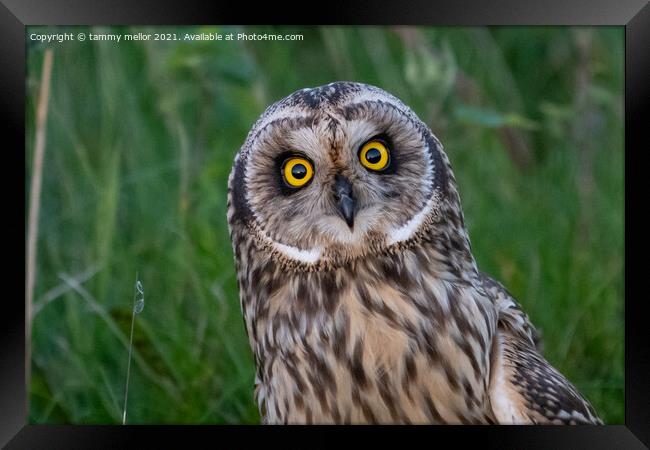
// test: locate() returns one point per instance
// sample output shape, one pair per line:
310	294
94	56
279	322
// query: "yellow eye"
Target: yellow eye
374	155
297	171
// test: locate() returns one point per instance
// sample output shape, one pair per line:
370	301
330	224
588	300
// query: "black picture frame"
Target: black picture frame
633	15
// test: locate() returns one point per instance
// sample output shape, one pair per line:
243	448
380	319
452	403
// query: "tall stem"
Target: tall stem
128	367
34	207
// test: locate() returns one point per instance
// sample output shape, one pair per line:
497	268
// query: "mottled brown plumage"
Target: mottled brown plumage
361	297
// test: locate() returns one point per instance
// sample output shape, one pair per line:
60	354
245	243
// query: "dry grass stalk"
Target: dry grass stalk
35	202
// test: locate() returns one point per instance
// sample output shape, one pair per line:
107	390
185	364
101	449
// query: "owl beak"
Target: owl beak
344	198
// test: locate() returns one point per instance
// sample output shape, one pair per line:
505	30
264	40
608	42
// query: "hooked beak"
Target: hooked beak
345	199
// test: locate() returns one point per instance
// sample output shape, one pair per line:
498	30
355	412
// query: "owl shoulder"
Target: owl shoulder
511	317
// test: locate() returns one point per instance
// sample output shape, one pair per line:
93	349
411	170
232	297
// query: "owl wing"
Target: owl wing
524	387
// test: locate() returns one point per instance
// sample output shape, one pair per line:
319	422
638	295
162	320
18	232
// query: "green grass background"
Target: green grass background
140	141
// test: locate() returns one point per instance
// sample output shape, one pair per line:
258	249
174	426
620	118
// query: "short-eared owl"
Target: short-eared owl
360	294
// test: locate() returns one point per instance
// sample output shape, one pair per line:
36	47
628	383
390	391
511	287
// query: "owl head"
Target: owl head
338	172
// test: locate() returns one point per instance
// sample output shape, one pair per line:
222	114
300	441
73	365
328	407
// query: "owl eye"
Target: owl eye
297	171
374	155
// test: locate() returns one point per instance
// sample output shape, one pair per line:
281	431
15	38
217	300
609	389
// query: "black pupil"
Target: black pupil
373	156
299	171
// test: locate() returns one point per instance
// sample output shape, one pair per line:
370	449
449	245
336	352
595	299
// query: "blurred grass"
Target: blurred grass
141	138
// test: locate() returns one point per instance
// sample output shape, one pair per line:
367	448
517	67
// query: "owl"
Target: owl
361	298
